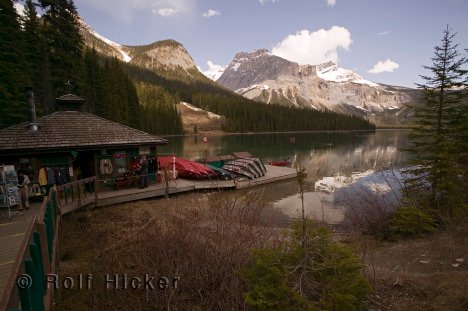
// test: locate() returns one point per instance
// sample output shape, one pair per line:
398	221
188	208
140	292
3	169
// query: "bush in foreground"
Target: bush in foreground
411	221
309	272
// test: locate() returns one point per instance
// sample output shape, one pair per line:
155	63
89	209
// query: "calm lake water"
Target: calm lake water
335	162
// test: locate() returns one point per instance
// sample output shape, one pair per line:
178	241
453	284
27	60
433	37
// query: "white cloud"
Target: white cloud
331	2
306	47
211	13
263	2
383	33
126	10
214	67
214	71
384	66
165	12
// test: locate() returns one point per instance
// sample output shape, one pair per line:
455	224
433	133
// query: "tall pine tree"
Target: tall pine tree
37	58
440	128
65	45
12	79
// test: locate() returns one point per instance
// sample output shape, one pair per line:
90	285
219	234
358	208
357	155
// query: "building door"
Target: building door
83	164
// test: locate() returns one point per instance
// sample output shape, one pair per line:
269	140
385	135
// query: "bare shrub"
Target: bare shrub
369	209
205	245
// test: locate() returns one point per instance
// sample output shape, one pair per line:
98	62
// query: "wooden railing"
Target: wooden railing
79	193
38	256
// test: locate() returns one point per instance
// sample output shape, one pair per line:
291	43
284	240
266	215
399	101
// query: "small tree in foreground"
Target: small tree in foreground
438	134
318	275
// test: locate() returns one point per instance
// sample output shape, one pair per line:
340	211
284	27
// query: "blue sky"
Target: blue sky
400	34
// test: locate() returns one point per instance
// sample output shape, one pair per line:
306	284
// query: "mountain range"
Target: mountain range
264	77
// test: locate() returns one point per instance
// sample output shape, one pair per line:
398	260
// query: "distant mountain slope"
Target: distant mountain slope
205	121
168	58
262	76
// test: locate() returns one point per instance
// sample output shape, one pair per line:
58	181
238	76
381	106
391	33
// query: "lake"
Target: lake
336	163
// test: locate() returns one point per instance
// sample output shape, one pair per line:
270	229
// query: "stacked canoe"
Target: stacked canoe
233	168
248	167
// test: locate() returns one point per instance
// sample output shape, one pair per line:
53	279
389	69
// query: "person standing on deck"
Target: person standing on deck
144	173
23	182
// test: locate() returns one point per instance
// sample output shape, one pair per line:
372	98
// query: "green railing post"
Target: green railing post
25	298
37	260
37	299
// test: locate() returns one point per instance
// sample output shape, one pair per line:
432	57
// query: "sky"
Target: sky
384	41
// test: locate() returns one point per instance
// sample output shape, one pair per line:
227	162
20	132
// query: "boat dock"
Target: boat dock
24	231
274	174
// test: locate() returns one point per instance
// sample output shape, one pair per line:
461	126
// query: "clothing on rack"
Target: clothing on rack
42	177
105	166
51	176
62	176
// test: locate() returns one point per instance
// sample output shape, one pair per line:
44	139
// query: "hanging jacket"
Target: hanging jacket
50	176
105	166
42	178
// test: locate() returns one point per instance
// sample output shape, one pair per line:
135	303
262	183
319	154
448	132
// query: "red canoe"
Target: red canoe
284	162
186	168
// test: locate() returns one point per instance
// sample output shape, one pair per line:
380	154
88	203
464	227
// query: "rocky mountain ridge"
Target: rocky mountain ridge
262	76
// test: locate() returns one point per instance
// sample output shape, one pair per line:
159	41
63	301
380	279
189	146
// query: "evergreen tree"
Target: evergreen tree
92	82
36	59
13	107
65	45
440	129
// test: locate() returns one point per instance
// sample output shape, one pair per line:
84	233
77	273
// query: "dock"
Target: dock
274	174
16	234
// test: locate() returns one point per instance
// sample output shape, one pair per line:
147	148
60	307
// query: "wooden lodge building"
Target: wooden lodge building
70	144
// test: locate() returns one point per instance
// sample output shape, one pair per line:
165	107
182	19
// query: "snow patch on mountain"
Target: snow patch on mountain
117	46
19	8
261	87
331	72
211	115
191	107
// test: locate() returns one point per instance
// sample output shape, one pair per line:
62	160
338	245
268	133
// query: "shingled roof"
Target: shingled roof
73	130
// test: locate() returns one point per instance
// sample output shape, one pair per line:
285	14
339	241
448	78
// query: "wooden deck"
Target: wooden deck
12	232
11	236
274	174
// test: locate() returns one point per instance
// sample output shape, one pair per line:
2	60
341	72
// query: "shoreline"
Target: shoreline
263	133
